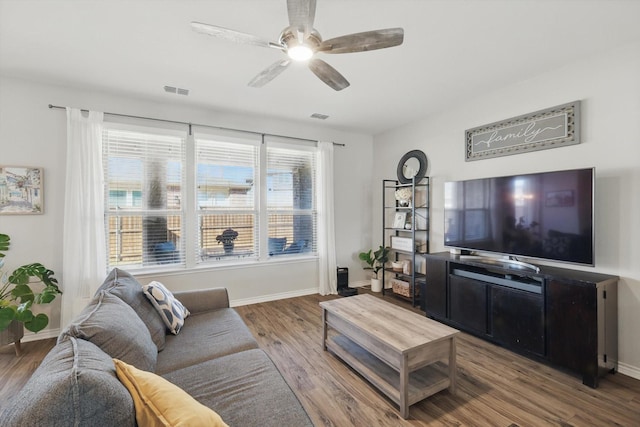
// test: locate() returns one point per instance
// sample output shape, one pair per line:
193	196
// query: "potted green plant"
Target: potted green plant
375	260
226	238
18	293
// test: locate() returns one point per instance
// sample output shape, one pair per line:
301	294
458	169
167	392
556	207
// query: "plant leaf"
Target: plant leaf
24	315
37	323
6	316
4	243
23	292
21	275
48	294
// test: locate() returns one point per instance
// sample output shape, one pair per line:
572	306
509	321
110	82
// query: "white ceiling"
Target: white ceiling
453	50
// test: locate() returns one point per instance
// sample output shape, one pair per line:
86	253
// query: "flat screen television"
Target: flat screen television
547	215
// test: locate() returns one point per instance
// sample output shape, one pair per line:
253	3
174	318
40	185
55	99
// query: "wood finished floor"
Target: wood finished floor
495	386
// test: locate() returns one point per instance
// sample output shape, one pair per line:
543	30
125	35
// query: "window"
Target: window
144	175
214	198
227	213
291	204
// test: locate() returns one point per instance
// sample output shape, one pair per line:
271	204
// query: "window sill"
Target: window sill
217	266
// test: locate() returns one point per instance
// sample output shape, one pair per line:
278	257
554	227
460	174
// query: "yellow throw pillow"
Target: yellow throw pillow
161	403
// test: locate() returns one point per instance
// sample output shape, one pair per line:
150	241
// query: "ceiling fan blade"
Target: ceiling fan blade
233	35
361	42
328	74
302	13
270	73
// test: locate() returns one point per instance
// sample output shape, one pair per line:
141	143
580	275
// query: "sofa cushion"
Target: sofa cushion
112	325
245	388
168	307
123	285
160	403
75	385
205	336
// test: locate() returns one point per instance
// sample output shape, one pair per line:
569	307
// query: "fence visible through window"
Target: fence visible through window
126	236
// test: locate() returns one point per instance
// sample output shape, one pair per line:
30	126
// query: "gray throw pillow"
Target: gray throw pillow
112	325
123	285
75	385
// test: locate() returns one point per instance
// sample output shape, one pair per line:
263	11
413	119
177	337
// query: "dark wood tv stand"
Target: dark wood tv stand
568	318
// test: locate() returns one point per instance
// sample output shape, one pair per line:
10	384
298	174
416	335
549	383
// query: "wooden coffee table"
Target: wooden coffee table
406	356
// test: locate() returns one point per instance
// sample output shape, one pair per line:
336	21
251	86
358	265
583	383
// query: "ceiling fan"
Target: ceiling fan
301	42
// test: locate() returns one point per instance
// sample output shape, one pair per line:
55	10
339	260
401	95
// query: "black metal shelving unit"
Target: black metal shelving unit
418	233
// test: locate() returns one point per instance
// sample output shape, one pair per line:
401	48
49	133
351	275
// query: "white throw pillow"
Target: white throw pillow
171	310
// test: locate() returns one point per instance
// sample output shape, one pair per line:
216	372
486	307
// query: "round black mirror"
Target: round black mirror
412	164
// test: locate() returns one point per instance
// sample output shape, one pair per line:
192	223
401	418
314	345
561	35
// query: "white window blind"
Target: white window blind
226	196
144	193
291	198
216	196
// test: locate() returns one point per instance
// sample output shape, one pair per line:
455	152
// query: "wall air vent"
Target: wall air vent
177	90
319	116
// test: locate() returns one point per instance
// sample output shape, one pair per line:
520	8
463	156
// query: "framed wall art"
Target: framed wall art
21	190
553	127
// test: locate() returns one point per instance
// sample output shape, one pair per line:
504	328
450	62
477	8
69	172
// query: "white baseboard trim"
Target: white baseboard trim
272	297
360	284
42	335
367	283
628	370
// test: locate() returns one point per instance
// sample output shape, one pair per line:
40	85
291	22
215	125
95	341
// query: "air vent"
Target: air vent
177	90
319	116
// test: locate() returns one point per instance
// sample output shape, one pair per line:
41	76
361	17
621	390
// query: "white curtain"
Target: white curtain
326	223
83	242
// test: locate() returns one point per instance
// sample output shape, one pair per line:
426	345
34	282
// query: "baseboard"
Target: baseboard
360	284
42	335
628	370
272	297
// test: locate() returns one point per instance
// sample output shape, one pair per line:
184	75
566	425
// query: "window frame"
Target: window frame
190	210
142	211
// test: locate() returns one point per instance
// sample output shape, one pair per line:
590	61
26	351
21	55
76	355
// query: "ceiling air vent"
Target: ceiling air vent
319	116
178	90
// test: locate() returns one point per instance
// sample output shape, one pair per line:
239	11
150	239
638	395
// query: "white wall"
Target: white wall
31	134
608	86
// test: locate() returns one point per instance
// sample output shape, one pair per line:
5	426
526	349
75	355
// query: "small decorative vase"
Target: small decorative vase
404	203
376	285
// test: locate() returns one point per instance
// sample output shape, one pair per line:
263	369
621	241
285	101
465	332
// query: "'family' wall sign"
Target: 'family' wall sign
554	127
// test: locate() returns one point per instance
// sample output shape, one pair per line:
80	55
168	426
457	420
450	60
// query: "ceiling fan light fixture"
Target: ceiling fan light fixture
300	52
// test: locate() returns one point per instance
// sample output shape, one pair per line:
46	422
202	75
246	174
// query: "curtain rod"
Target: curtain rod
198	124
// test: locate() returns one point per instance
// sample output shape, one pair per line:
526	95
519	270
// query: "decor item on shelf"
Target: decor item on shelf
553	127
402	243
399	220
401	287
375	261
406	266
397	265
20	190
408	221
17	296
403	196
227	239
412	164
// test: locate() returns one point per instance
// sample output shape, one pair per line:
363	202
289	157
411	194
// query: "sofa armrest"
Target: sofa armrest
202	300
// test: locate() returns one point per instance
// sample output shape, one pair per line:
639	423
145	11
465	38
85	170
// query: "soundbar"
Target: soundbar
508	263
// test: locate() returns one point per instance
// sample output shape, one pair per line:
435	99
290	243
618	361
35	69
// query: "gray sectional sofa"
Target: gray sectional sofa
214	358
